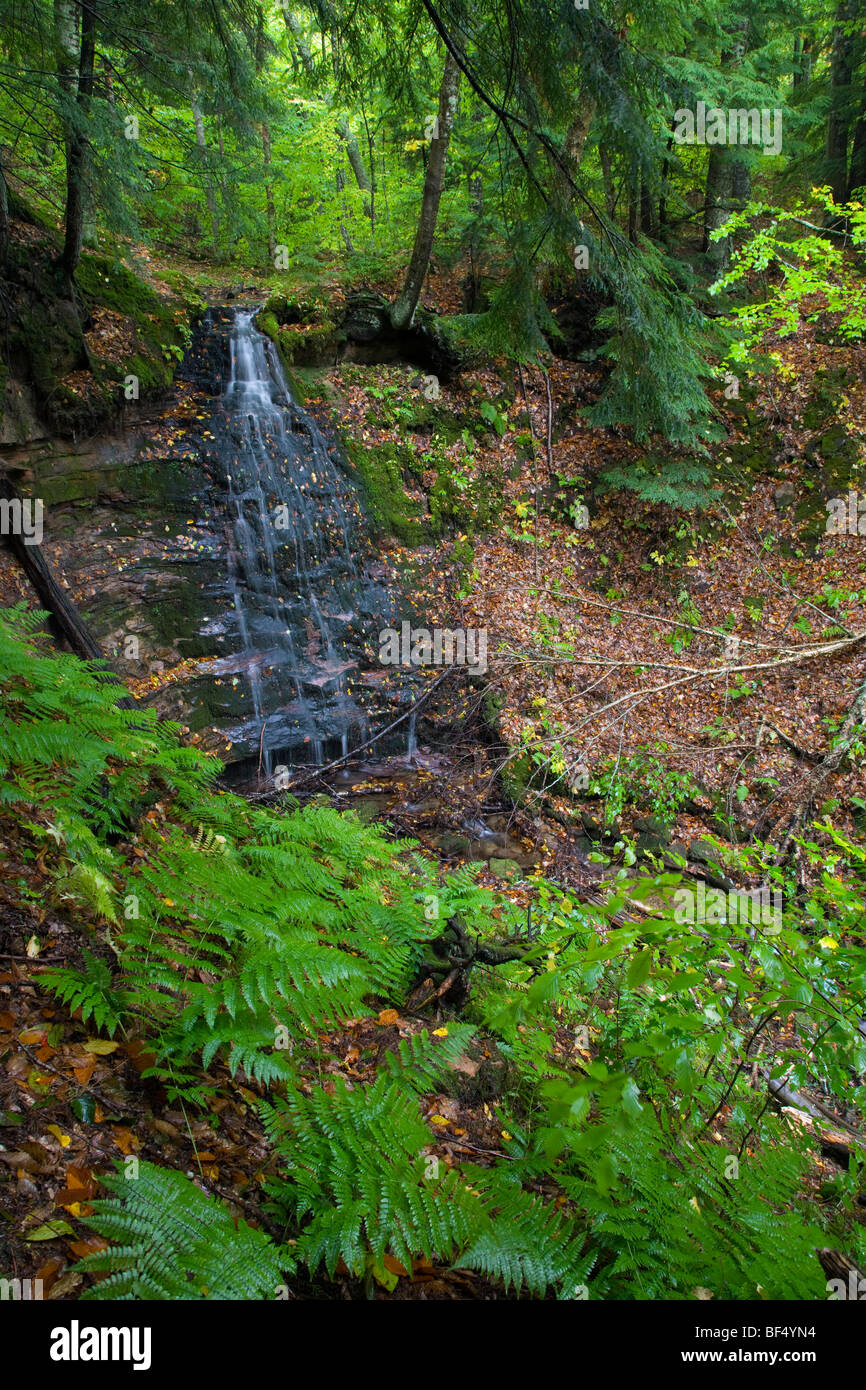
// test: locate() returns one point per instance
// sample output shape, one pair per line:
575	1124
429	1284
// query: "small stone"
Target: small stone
504	868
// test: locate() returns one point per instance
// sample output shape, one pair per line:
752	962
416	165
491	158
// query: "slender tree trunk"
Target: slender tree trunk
78	150
720	173
403	309
717	207
4	217
356	160
857	173
839	118
574	145
633	205
75	65
201	141
647	213
663	191
297	40
270	211
607	178
472	288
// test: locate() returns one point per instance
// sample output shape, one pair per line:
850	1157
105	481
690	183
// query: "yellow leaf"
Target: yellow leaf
829	943
505	1134
58	1134
101	1046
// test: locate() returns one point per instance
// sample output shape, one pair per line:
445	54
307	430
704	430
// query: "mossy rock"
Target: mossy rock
515	777
316	346
504	868
379	470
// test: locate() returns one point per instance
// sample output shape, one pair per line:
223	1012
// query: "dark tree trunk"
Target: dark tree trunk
210	196
647	222
663	192
741	182
839	118
403	309
802	63
721	171
857	172
4	218
78	149
270	210
66	619
717	205
607	177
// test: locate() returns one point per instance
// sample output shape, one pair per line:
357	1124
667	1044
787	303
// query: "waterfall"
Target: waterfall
298	609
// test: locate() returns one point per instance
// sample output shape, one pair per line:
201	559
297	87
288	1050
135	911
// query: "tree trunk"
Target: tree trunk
201	141
75	68
802	62
663	191
717	204
574	145
857	173
741	182
356	159
607	177
4	218
66	619
647	211
297	41
403	309
270	211
720	171
839	117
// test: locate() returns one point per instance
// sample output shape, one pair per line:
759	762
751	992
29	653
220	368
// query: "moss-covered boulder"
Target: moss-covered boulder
82	357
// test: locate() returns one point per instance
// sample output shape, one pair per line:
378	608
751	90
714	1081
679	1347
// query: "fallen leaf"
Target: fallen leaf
50	1230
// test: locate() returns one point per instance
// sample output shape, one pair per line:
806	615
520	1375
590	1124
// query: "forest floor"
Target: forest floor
606	640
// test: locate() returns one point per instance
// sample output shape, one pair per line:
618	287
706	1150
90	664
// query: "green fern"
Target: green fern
91	990
171	1241
361	1185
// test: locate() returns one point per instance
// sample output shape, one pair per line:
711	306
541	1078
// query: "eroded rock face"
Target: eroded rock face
221	557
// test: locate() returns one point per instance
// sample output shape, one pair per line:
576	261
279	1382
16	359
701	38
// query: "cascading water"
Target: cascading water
298	612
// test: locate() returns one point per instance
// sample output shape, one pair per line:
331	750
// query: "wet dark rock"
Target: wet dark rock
648	844
704	852
653	825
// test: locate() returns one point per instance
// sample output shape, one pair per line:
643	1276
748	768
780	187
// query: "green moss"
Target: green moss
315	346
379	469
162	324
515	777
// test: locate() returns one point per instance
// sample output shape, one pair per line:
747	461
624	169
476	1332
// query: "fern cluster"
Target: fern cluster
242	935
172	1241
